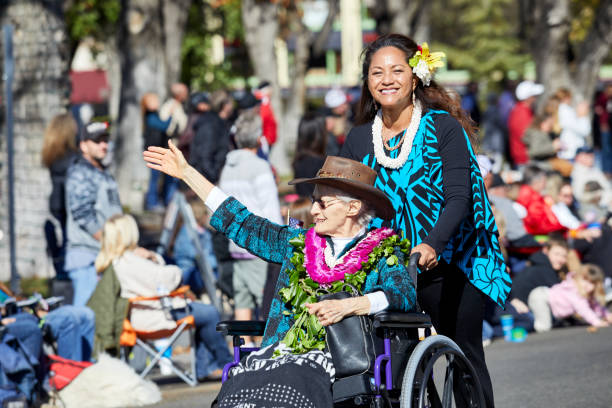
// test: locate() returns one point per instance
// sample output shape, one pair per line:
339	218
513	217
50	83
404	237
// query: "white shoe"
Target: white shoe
165	366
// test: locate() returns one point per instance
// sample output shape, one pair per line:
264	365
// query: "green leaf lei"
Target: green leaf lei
307	333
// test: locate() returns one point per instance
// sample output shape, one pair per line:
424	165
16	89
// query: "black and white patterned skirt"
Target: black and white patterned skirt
289	380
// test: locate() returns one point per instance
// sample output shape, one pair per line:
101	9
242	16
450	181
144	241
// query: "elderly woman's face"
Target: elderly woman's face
390	78
331	214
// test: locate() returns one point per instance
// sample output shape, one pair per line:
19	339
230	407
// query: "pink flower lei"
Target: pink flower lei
314	257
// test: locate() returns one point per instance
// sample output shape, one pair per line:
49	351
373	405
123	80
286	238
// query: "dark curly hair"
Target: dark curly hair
432	96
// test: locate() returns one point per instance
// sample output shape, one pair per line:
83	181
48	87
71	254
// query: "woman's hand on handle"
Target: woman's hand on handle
170	161
429	258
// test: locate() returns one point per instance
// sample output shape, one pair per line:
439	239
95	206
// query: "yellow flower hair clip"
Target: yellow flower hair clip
424	63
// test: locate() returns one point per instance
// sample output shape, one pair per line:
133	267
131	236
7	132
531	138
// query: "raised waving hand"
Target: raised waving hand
170	161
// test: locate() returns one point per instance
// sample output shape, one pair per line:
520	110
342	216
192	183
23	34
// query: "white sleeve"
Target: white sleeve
215	198
378	301
569	120
266	194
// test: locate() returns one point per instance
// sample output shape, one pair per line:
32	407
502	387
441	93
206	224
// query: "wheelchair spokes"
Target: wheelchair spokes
439	376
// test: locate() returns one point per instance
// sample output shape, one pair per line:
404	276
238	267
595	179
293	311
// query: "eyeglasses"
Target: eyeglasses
100	139
324	204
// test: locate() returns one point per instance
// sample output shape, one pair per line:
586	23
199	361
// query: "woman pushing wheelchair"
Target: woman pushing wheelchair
293	368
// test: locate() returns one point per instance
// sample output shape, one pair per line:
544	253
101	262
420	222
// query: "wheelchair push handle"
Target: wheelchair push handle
414	260
413	267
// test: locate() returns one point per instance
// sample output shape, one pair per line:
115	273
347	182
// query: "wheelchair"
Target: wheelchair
409	371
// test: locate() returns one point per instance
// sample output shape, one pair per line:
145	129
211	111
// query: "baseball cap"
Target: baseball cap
246	100
95	131
585	149
527	89
263	84
335	97
199	97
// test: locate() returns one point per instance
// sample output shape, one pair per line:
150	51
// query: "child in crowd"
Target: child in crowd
530	287
591	210
582	294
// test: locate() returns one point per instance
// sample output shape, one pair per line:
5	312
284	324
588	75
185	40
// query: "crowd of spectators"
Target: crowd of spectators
550	191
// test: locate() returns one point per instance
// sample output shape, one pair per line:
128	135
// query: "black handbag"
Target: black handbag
352	341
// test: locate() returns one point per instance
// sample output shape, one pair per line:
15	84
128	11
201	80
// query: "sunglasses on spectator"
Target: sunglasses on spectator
100	139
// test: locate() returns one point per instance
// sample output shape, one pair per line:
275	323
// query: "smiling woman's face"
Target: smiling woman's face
390	78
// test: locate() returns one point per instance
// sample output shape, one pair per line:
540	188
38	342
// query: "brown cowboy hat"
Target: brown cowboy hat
356	179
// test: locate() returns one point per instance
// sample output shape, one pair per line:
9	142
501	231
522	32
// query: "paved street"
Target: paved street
563	368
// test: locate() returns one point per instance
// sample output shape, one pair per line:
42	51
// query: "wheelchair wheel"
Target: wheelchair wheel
453	375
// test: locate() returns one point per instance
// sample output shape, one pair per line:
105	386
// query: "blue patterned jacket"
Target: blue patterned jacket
270	242
417	192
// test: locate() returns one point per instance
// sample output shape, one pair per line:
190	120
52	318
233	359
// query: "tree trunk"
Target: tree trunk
40	91
594	50
421	24
175	13
551	47
113	75
294	107
410	18
304	39
143	69
260	21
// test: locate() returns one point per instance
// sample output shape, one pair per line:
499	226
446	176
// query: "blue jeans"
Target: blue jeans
21	366
84	281
169	187
185	257
211	350
26	329
73	329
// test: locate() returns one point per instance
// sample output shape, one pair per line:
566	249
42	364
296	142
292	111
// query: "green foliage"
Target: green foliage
203	23
583	14
307	333
92	18
486	44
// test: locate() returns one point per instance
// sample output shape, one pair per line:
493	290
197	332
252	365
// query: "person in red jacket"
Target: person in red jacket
268	121
520	118
540	219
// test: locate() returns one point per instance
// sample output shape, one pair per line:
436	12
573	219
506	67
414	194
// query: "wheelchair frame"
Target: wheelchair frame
417	389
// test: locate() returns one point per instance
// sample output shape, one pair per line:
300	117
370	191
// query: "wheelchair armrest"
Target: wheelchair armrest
241	327
401	320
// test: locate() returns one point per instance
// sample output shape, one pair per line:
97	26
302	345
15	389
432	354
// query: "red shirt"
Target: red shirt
540	219
603	115
519	120
268	122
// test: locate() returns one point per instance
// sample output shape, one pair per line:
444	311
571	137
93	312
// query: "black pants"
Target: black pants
456	309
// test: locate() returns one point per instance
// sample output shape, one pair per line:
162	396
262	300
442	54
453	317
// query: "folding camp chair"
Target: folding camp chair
131	337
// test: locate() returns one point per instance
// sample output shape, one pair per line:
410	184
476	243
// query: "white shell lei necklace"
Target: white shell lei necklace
379	152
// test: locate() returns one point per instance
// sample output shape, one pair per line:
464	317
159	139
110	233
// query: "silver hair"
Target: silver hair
248	130
366	214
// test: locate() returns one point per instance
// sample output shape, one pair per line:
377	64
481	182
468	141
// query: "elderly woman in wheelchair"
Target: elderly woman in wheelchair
333	275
